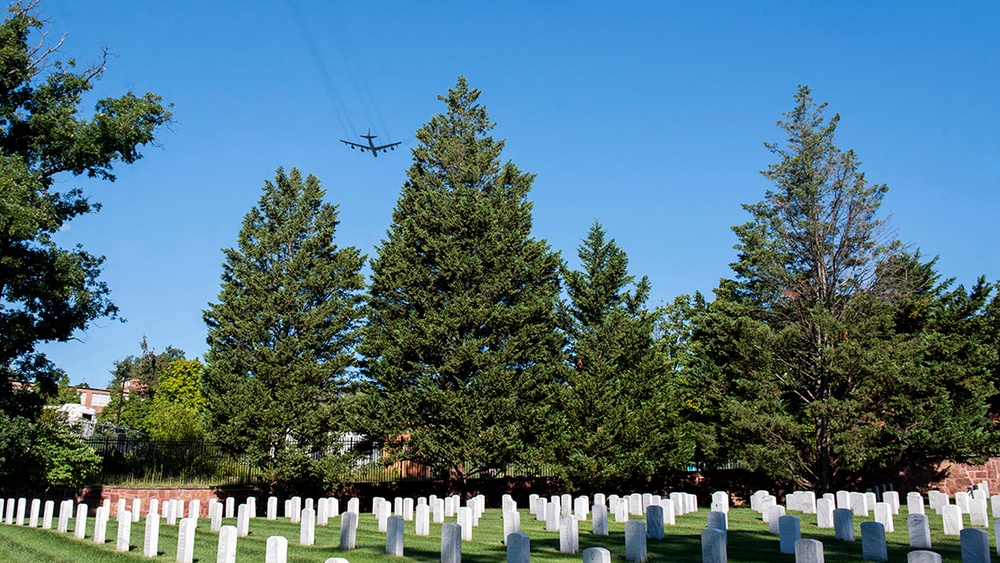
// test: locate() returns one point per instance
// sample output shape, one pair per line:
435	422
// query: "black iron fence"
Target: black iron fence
138	459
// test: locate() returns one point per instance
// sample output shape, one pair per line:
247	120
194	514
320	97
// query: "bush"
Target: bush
295	472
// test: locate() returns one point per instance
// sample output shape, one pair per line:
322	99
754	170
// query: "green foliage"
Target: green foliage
282	334
834	354
621	421
49	292
178	404
65	459
293	471
142	375
461	353
44	452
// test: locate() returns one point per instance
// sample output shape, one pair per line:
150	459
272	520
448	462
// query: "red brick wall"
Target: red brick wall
94	496
959	476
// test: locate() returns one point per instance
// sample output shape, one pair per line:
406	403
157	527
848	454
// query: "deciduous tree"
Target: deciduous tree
48	292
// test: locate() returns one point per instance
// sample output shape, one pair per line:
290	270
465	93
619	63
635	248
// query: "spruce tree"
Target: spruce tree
282	334
461	351
621	423
833	354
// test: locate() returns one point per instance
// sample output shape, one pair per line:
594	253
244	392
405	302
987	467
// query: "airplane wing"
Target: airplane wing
352	145
384	148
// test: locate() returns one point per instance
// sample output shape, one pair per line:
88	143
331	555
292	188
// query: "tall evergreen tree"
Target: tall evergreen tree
461	350
282	334
822	356
621	423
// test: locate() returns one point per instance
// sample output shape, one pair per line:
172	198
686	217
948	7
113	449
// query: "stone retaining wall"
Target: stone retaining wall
960	476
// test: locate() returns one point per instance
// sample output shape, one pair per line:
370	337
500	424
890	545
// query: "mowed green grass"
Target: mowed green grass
749	541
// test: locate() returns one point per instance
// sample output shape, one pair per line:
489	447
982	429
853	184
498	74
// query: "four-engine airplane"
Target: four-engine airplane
371	146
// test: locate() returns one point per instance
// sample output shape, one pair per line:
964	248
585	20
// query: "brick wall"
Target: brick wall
94	496
960	476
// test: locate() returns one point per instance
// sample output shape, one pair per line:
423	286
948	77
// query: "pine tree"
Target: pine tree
282	334
621	423
461	350
819	355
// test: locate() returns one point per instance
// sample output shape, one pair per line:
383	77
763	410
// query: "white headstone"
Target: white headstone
394	535
408	509
919	531
635	540
185	540
36	506
922	556
422	523
552	514
569	534
65	509
151	539
824	513
962	501
859	505
227	545
669	512
80	527
277	550
465	521
892	497
307	526
914	503
511	524
348	530
809	551
215	512
242	521
883	515
272	508
437	510
713	546
596	555
843	499
47	513
772	515
124	532
951	514
383	515
451	543
977	513
100	524
808	502
599	524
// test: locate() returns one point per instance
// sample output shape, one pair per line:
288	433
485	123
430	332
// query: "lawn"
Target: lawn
749	541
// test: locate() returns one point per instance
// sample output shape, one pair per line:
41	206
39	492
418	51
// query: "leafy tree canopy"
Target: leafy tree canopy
48	292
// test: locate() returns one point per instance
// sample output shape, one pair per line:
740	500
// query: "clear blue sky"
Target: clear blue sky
649	116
